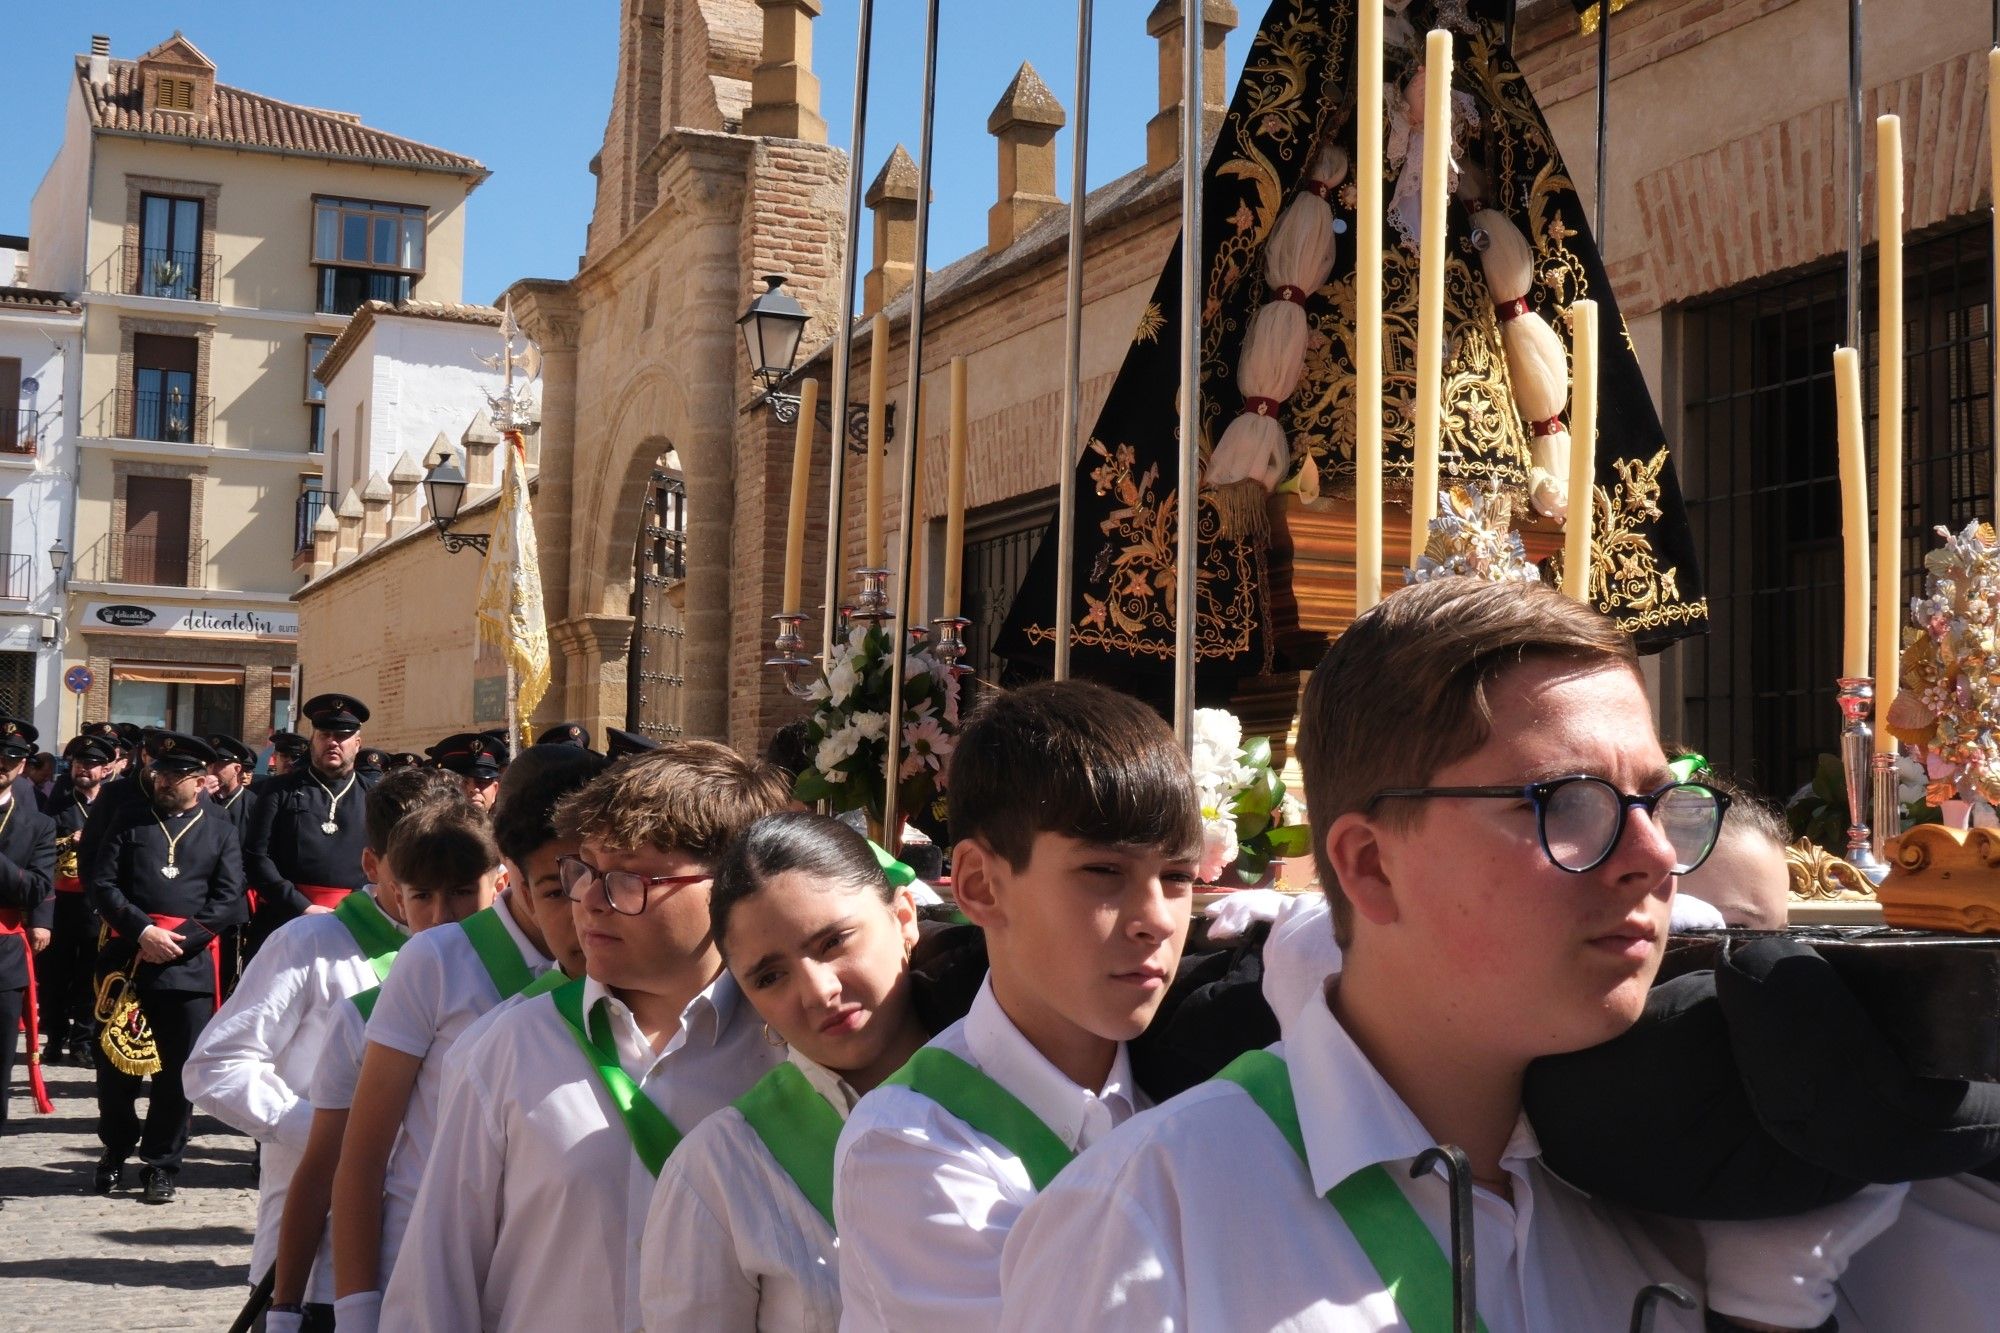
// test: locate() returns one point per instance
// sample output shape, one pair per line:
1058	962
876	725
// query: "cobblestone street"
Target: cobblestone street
74	1261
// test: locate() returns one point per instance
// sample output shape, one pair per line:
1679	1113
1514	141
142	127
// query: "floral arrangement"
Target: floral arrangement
1248	818
849	728
1948	700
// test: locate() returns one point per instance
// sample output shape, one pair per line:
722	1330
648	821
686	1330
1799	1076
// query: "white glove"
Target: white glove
1782	1271
283	1321
1692	913
1231	915
359	1313
1299	955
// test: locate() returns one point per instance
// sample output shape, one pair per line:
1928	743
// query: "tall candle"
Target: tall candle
1368	307
1993	183
954	492
1582	451
1853	510
878	412
1888	423
1430	292
795	521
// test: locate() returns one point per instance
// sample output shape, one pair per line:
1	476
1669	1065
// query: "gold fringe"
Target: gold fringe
1586	22
1241	513
123	1034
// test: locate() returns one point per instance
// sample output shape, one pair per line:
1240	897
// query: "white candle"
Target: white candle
1430	293
1582	451
878	411
1853	511
954	491
1888	423
795	519
1368	307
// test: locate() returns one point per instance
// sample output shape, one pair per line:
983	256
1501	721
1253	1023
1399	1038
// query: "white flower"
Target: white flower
817	690
925	746
1219	728
835	750
871	726
1218	848
840	682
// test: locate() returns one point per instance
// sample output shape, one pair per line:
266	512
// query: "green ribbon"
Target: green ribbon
374	933
798	1128
898	874
653	1136
365	1001
1685	767
497	951
974	1097
546	982
1404	1253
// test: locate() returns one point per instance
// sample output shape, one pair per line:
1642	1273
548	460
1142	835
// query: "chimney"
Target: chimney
784	92
100	60
1163	132
893	200
1025	122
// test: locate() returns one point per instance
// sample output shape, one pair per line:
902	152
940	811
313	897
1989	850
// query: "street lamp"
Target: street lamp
59	559
772	327
444	487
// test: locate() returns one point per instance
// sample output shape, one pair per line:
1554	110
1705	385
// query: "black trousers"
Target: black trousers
176	1018
64	973
12	1003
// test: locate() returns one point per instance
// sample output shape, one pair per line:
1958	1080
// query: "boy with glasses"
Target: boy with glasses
1497	830
556	1123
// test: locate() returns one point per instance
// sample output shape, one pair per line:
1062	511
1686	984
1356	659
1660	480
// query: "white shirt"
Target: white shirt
339	1068
730	1243
1199	1215
435	991
531	1213
252	1065
924	1201
1936	1267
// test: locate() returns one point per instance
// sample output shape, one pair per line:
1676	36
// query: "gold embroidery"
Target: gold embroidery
1626	579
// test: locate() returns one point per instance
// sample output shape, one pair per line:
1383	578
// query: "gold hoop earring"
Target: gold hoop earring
771	1038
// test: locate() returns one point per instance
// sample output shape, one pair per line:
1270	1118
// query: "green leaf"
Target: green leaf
1289	840
1830	780
811	787
1274	788
1249	867
1257	752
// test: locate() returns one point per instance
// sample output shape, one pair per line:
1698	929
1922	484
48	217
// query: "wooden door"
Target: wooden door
10	403
157	512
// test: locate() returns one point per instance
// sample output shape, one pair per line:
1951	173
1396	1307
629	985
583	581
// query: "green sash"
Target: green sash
497	951
799	1128
975	1098
654	1137
374	933
365	1001
1405	1254
546	982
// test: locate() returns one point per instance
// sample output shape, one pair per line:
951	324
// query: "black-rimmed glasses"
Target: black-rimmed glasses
1581	818
625	892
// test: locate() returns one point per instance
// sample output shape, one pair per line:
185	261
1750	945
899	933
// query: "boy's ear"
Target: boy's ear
371	866
975	883
1354	851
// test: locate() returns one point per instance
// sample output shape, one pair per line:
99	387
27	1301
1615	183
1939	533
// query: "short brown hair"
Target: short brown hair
1402	693
688	796
401	792
441	846
1748	815
1073	758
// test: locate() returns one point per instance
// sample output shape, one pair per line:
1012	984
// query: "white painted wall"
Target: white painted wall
61	206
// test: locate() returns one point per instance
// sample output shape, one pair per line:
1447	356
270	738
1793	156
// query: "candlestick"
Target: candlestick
795	521
1853	512
948	642
1582	452
878	415
787	655
1367	307
1888	423
954	493
1857	702
1430	292
1888	811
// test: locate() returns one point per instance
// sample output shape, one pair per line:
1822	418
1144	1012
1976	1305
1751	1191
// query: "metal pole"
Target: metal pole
843	339
1188	547
1072	426
1856	165
1603	117
892	817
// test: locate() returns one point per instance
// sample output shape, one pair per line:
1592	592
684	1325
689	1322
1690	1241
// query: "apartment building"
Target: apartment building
217	240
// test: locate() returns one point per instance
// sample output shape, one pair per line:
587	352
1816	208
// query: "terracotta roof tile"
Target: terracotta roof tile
364	319
250	120
37	299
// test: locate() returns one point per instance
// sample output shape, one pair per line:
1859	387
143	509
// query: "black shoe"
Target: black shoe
108	1177
157	1186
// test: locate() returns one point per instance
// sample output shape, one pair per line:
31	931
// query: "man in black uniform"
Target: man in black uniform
289	751
478	759
303	852
67	963
27	870
231	769
167	878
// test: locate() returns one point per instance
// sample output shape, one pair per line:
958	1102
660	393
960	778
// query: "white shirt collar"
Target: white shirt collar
1077	1115
536	960
828	1084
1349	1116
375	895
705	1018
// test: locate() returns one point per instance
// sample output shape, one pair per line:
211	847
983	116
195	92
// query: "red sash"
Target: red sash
321	895
10	924
68	884
214	950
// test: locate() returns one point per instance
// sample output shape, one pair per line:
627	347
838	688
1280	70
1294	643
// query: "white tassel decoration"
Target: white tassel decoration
1537	361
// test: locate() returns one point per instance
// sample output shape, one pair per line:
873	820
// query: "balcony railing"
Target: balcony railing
171	273
19	429
161	562
17	577
305	513
173	417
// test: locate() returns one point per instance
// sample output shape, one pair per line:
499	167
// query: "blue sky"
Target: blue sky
527	94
